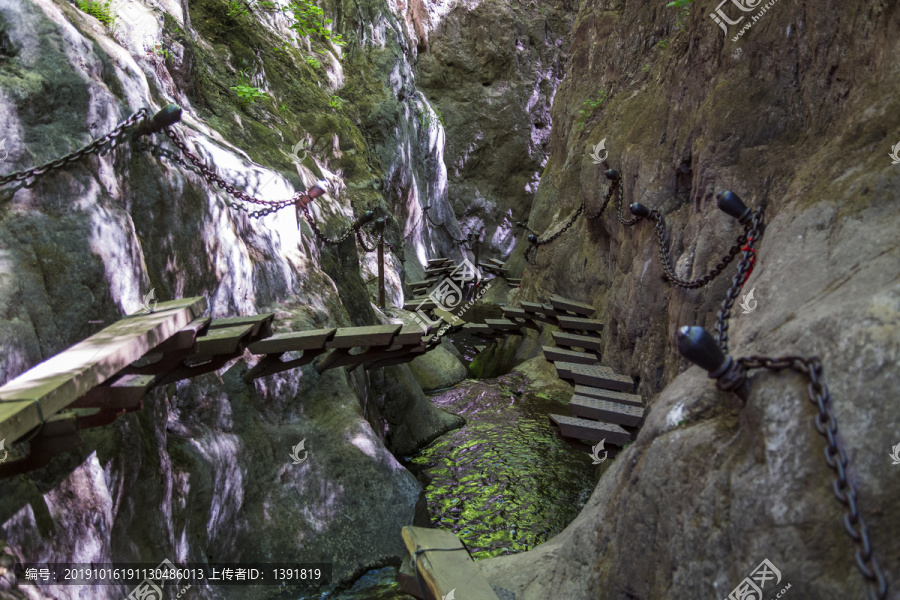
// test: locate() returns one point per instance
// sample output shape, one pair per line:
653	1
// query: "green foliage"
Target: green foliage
237	9
314	63
679	3
102	11
663	43
425	119
336	102
160	51
246	92
646	68
310	20
588	108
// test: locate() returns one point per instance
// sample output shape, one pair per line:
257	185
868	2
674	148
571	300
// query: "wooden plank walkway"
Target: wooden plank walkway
604	410
444	571
574	340
572	306
579	324
553	354
57	382
595	431
612	396
595	376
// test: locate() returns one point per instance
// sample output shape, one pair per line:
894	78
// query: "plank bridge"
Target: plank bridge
106	375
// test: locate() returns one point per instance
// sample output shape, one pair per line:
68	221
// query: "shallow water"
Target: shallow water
503	483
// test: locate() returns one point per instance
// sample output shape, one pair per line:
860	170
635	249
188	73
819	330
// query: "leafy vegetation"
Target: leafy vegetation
663	43
588	108
158	50
102	11
425	119
313	62
309	20
246	92
237	9
679	3
336	102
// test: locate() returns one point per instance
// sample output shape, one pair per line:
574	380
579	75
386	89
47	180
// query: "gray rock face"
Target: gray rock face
492	69
438	369
204	472
709	489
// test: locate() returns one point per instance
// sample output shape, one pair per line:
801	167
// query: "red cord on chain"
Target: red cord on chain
752	252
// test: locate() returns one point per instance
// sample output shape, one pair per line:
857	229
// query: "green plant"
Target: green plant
313	62
588	108
646	68
160	51
679	3
663	43
310	20
102	11
246	92
236	9
336	102
682	17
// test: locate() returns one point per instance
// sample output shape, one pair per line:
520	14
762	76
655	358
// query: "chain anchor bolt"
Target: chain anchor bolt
699	347
167	115
612	175
639	210
731	203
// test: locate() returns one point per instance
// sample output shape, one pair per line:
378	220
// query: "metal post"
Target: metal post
379	231
699	347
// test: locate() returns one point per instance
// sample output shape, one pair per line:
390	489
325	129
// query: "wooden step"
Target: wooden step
445	571
532	307
225	340
604	410
515	313
494	261
419	304
477	328
439	261
585	429
501	324
410	334
363	337
579	324
620	397
573	340
293	341
553	354
261	323
595	376
514	282
579	308
52	385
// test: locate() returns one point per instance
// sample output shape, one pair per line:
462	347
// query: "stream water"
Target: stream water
503	483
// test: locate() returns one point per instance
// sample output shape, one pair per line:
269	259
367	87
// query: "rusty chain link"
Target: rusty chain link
111	139
835	458
534	241
669	272
737	283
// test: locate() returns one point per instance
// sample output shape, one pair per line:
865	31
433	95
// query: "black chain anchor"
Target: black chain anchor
698	346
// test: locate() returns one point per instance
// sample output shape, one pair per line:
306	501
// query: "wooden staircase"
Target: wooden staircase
603	406
113	369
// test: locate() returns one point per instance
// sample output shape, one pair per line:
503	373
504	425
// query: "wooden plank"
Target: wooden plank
417	304
595	376
501	324
410	334
549	311
579	324
532	307
604	410
444	571
553	354
497	262
259	322
573	340
223	341
185	338
293	341
515	313
126	391
594	431
620	397
363	337
58	381
572	306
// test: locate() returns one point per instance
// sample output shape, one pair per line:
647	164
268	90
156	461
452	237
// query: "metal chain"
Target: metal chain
213	179
441	224
112	139
737	283
669	272
835	458
351	229
359	238
531	250
619	216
